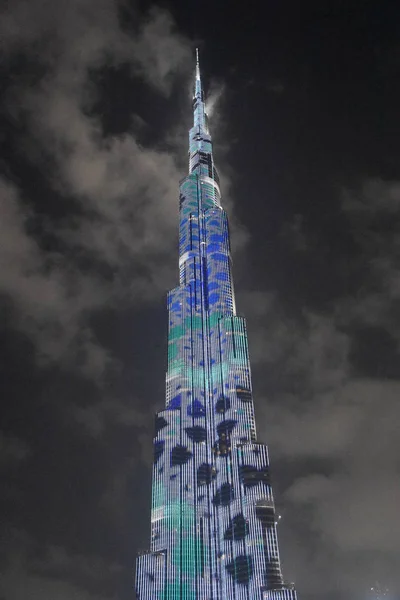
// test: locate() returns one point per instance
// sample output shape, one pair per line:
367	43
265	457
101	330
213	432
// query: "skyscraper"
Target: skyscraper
213	524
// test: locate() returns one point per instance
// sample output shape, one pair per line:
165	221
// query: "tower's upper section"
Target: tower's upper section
201	159
200	118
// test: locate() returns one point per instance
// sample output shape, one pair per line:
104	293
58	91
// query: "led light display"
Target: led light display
213	524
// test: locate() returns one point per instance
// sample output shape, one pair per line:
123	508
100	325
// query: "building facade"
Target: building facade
213	523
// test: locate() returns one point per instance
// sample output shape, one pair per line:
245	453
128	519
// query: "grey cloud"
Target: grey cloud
319	429
293	234
355	424
222	143
310	348
81	35
129	192
13	450
115	501
159	50
216	93
345	505
123	195
123	212
336	434
354	510
17	581
49	296
321	353
57	561
96	418
49	572
372	197
373	211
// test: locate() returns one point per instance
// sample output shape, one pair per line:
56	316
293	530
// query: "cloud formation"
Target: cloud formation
121	196
12	450
373	211
46	572
329	425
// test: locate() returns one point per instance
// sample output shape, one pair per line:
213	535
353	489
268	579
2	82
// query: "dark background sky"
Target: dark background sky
95	106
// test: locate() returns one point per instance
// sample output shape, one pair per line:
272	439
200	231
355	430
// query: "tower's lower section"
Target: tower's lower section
151	576
213	521
152	584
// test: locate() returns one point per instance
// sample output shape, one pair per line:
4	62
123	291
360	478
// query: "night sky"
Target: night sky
304	100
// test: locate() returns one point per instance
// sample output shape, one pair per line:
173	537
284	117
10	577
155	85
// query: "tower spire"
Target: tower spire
197	65
198	89
199	112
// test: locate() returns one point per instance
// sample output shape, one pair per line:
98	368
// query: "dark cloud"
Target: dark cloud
49	296
12	450
46	572
123	212
374	214
332	427
124	194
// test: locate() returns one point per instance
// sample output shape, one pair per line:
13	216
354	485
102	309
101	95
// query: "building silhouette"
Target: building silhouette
213	522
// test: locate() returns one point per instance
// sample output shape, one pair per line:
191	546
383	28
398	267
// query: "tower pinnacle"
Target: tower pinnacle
197	64
198	93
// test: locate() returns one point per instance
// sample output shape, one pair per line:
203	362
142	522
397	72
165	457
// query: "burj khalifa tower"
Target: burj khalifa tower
213	522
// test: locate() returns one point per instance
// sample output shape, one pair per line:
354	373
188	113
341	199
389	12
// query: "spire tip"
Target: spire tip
197	65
